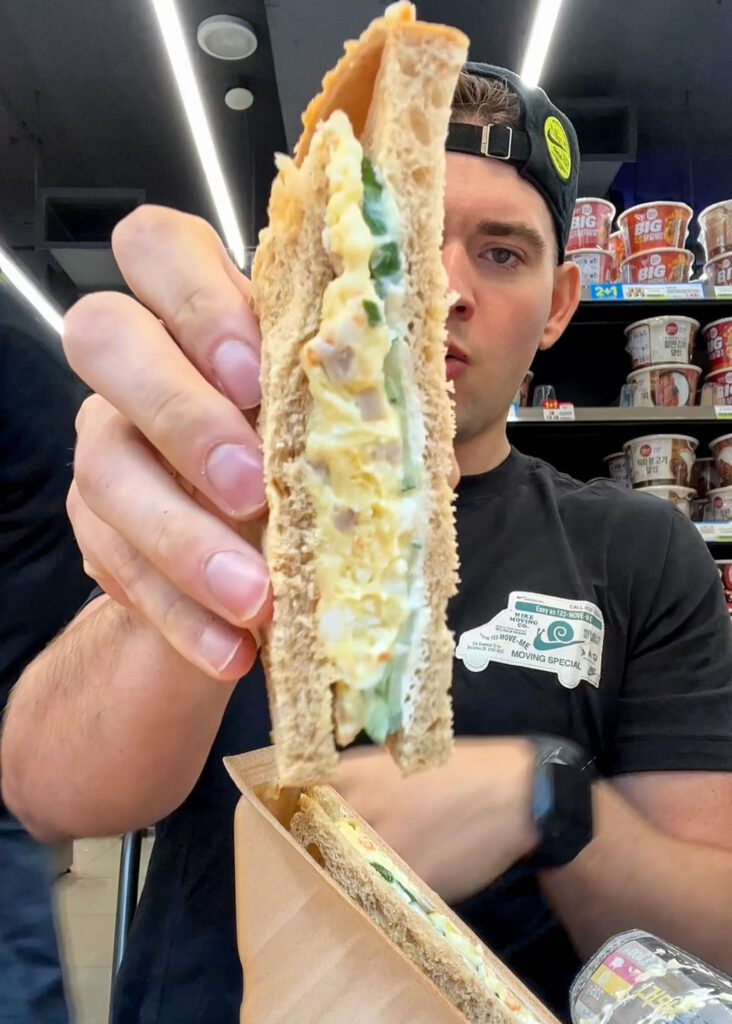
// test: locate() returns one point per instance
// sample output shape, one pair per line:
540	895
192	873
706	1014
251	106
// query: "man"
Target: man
42	584
137	703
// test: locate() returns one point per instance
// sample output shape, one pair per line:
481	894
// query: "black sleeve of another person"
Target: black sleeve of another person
675	708
42	582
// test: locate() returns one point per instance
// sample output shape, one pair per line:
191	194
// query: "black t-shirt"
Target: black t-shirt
42	582
615	586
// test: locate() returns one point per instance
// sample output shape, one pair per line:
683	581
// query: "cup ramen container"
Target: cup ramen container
716	228
661	339
721	449
618	253
720	505
637	978
724	567
655	226
699	508
667	385
680	497
657	266
521	398
591	222
719	270
721	381
618	469
718	337
704	476
596	265
665	459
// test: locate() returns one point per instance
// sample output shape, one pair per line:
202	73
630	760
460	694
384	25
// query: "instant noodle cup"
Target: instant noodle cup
680	497
705	476
661	339
667	385
655	226
719	270
724	568
657	266
721	449
721	381
716	228
720	505
661	459
596	265
521	398
718	336
618	253
618	469
591	222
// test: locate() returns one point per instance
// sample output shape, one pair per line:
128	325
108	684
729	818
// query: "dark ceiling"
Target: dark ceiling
87	99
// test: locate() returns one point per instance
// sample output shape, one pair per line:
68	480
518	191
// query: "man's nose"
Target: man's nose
457	264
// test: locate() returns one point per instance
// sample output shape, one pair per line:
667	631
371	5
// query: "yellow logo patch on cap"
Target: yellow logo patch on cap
557	144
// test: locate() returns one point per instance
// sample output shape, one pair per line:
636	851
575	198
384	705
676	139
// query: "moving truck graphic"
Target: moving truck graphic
551	634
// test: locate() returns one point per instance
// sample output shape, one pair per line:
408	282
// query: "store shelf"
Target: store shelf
692	291
715	533
615	415
622	304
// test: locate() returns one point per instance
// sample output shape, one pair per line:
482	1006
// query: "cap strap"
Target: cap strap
494	140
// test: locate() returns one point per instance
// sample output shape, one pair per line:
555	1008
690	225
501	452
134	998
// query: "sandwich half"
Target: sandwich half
410	914
356	418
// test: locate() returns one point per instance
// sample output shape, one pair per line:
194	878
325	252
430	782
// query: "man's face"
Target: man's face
500	255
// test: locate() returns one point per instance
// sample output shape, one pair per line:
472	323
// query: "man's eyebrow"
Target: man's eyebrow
514	229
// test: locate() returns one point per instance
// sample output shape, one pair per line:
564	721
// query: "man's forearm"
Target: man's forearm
107	730
634	876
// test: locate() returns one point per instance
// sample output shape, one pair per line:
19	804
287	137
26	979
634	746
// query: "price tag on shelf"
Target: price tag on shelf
715	531
689	290
723	291
723	412
558	411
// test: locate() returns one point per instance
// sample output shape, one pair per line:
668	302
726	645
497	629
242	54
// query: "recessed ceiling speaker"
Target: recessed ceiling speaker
239	98
227	38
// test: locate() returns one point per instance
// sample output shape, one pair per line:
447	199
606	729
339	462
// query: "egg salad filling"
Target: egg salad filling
470	952
364	452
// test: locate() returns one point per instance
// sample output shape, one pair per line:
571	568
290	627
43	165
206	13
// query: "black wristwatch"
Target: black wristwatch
561	804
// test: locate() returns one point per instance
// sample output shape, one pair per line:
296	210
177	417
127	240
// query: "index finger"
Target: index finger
177	266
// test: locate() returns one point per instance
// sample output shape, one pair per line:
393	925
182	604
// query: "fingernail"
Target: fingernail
218	646
239	583
236	368
236	472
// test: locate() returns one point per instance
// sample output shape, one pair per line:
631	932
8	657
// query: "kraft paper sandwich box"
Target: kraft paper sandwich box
310	955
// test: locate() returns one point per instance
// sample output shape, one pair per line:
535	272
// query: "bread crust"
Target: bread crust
395	84
313	827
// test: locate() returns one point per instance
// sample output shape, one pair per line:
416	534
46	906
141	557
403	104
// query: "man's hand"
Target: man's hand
167	468
459	826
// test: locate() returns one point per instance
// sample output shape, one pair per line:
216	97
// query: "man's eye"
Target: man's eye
502	255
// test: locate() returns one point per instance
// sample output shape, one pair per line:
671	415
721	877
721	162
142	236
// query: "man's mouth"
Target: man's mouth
456	361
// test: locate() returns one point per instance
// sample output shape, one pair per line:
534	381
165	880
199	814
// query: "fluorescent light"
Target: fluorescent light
542	30
190	94
30	291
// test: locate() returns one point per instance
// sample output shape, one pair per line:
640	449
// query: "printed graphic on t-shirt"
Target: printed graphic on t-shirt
551	634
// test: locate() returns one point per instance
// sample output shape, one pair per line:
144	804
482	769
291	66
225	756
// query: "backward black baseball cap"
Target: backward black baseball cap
544	150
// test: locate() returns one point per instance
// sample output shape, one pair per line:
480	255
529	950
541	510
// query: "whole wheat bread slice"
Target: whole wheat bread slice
313	827
395	84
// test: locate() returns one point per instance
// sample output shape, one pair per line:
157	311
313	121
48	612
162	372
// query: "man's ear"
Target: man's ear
565	299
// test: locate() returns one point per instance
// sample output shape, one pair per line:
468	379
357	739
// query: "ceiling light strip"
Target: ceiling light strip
190	94
30	291
545	20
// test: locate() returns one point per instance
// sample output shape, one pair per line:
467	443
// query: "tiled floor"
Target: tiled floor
86	899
